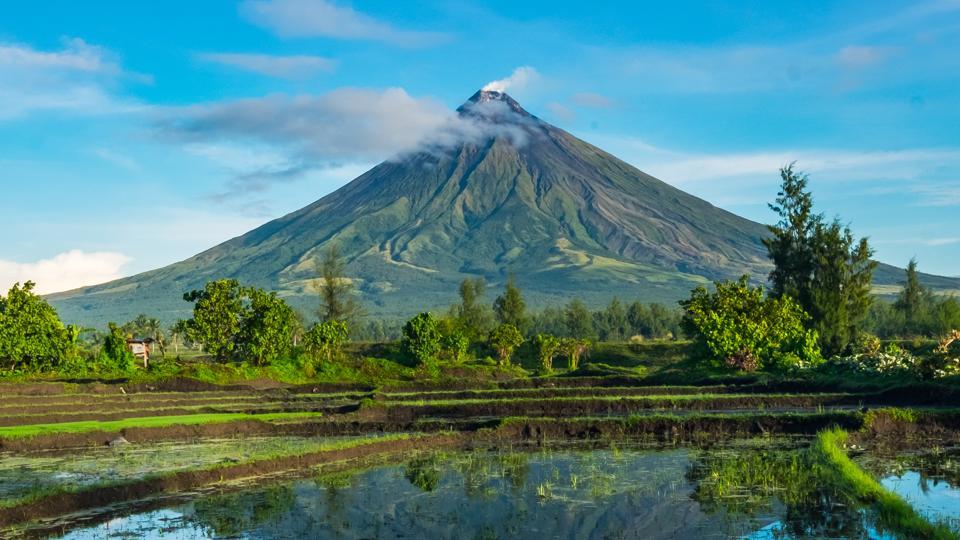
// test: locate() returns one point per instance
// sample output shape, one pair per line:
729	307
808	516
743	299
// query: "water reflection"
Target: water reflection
750	492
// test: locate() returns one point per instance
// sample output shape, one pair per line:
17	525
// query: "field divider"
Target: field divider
894	513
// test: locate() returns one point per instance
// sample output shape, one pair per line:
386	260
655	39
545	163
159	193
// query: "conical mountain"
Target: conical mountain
498	191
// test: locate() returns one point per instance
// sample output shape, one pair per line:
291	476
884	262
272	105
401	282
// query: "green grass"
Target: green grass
33	430
893	512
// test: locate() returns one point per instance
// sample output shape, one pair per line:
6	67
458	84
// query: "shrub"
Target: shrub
115	356
737	326
945	360
869	359
421	339
326	340
505	339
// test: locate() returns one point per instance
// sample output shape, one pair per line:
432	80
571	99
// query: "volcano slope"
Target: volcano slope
498	191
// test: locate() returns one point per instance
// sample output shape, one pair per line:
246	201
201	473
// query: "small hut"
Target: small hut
141	349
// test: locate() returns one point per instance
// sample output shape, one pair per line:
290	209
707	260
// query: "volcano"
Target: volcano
499	192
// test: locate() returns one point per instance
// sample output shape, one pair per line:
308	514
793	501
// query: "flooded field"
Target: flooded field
751	489
580	458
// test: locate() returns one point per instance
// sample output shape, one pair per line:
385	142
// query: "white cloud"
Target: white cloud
275	139
281	67
68	270
348	124
77	78
521	78
320	18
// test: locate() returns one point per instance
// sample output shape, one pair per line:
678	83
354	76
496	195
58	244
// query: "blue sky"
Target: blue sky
135	134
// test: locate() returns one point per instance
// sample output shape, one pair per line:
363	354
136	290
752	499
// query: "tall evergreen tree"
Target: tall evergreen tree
510	307
791	245
841	286
336	290
913	300
579	321
472	315
819	264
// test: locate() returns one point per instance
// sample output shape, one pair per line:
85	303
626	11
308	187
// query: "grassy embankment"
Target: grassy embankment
893	512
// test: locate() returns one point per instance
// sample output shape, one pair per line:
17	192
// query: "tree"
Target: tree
336	290
115	355
574	349
472	315
510	307
421	339
820	265
791	245
505	339
268	327
739	327
31	334
218	314
613	322
915	303
326	340
178	333
548	347
453	342
578	320
842	278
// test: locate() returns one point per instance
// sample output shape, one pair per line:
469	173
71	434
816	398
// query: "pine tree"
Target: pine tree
912	300
336	290
473	317
820	265
791	246
510	307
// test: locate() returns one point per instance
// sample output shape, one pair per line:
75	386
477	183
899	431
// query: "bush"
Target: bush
945	360
115	356
738	327
326	340
868	358
421	339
